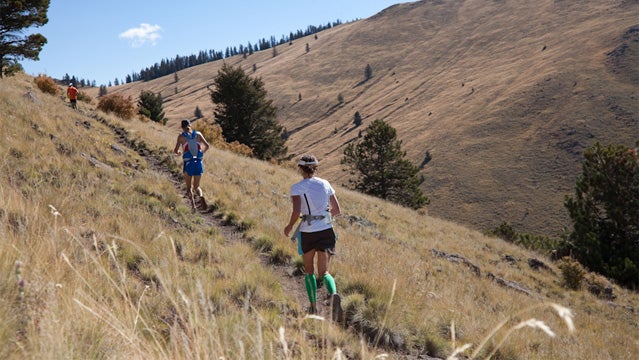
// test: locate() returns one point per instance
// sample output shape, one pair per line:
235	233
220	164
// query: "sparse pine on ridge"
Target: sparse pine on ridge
378	167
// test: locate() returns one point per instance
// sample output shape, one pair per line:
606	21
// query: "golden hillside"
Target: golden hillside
103	259
505	96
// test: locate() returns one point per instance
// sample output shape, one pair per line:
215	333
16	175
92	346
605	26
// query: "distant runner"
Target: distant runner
72	94
189	144
314	199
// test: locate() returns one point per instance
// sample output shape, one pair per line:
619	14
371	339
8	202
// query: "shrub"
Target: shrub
12	68
213	134
279	256
572	273
599	286
84	97
539	243
118	105
46	85
263	244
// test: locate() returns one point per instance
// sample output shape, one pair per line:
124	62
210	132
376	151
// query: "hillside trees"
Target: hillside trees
605	213
15	16
357	119
368	72
245	115
150	105
379	167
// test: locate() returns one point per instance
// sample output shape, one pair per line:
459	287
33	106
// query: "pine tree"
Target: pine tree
357	119
379	168
150	105
368	72
197	113
605	213
245	115
15	17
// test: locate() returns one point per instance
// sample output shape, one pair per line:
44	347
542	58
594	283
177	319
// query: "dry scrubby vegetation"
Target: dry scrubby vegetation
103	259
117	104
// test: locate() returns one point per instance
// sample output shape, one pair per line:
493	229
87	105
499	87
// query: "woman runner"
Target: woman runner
314	199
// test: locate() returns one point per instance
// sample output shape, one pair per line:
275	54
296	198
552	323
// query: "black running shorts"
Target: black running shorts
321	241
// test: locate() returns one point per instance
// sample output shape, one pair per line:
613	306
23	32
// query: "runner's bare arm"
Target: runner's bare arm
203	141
335	209
180	141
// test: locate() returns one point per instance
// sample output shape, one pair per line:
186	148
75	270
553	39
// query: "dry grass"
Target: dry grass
505	96
118	267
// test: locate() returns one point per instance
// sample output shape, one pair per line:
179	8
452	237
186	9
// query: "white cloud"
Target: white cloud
145	33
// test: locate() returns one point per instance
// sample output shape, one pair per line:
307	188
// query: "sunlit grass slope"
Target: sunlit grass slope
503	95
103	259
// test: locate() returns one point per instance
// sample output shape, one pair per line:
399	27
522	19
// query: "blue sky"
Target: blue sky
104	40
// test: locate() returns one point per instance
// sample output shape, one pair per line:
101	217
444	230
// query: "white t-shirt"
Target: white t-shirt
318	191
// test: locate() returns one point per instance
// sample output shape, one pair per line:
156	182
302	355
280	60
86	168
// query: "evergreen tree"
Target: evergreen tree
245	115
380	168
197	113
368	72
605	213
15	17
150	105
357	119
12	68
103	90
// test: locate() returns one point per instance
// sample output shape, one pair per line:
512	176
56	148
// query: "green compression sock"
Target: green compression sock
329	282
311	287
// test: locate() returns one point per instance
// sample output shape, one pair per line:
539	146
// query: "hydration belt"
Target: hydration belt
309	218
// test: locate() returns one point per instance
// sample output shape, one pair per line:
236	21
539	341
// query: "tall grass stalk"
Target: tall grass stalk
564	314
383	324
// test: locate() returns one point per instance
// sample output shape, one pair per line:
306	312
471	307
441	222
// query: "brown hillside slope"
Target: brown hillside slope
505	95
125	255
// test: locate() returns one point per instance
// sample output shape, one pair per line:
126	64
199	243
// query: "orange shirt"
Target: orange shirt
72	93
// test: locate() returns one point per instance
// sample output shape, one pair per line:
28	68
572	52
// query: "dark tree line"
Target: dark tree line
170	66
66	79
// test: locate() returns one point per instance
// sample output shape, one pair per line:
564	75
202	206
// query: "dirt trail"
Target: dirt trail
293	284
